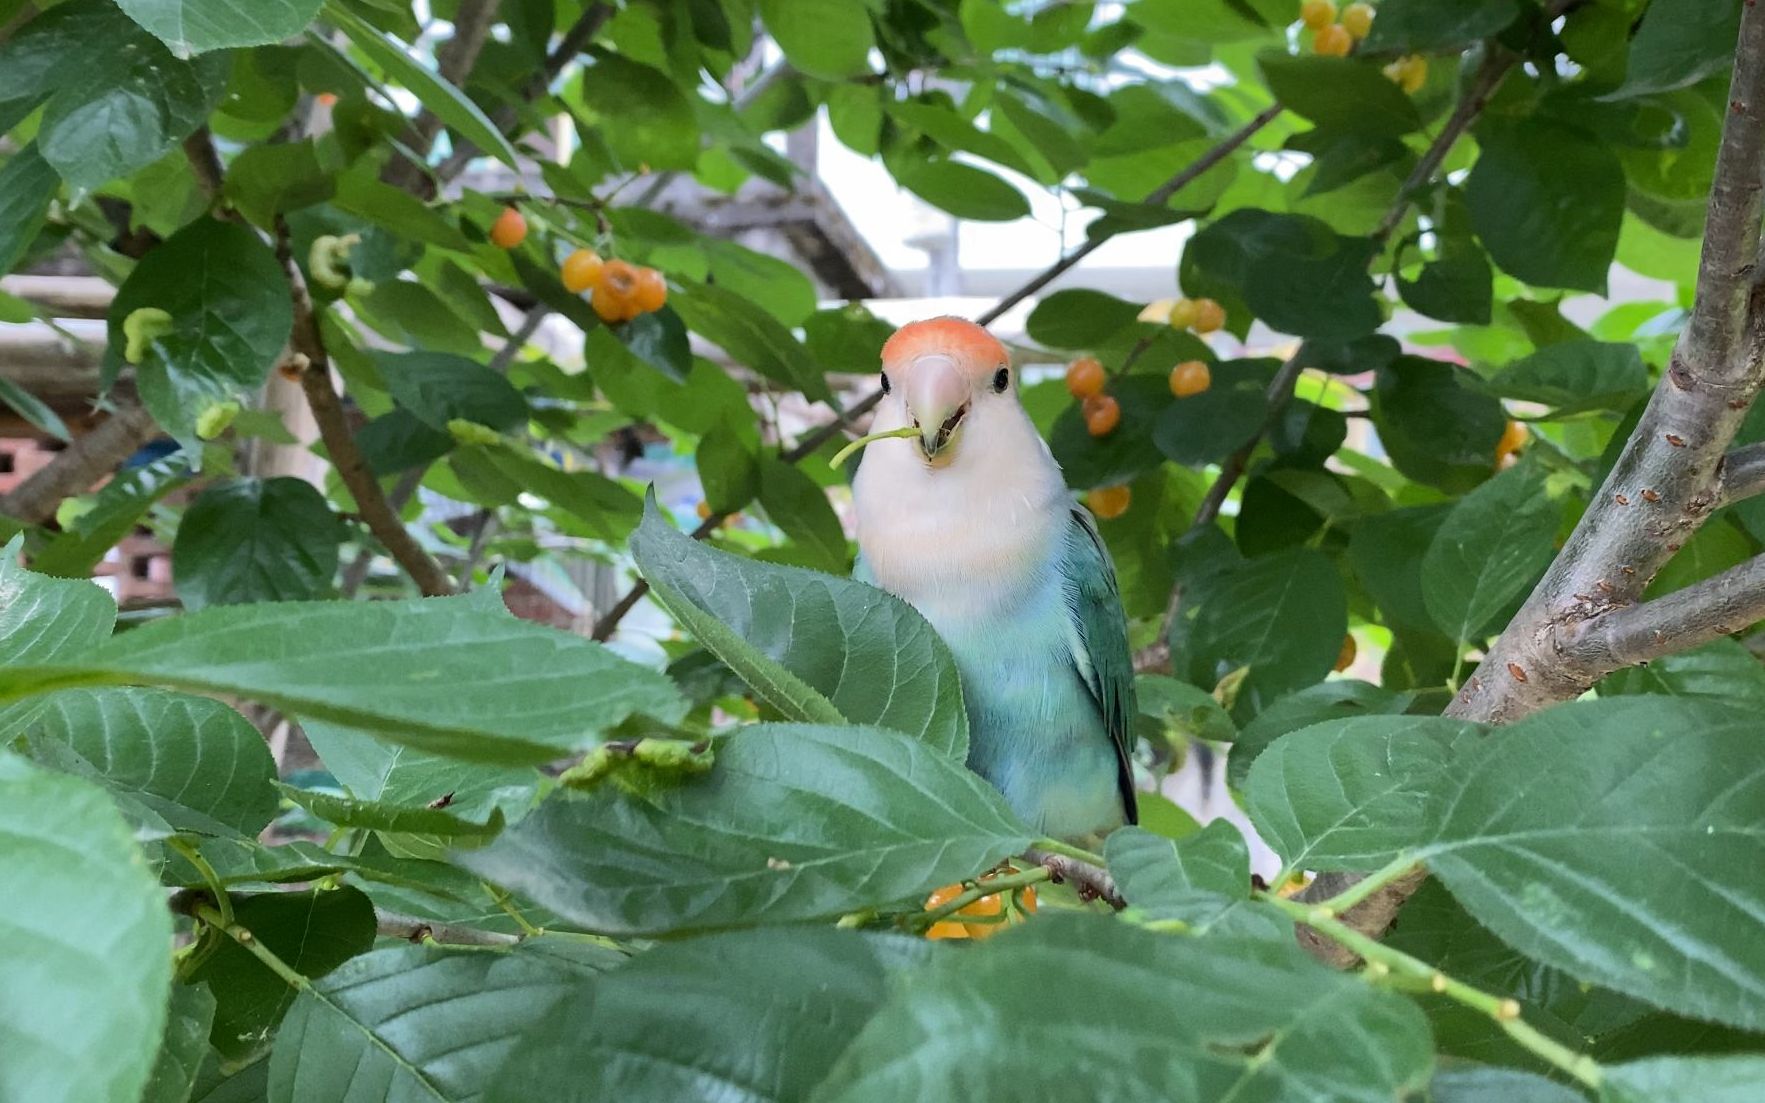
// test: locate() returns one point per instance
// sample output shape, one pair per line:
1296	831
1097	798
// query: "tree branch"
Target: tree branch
412	929
815	438
79	467
454	61
1091	881
1670	474
308	348
1742	475
1718	606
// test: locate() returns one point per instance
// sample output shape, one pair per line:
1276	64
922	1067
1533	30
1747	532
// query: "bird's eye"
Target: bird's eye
1001	380
885	382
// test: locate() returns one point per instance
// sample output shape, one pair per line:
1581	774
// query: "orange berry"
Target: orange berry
1102	415
615	296
581	270
1357	20
1513	438
1345	657
1183	314
327	99
1209	316
1317	14
1084	377
1333	41
1028	899
945	928
1109	502
704	511
1191	377
652	290
510	229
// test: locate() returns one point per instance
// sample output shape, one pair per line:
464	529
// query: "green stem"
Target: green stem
992	886
252	946
528	930
1368	885
209	877
840	456
1413	972
1055	846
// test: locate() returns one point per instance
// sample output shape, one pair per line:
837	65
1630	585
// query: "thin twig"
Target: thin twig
454	61
412	929
308	347
1091	880
1742	475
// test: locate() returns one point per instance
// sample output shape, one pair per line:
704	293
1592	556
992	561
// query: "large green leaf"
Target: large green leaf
1437	425
1202	880
831	39
1574	376
412	1023
1489	551
1547	200
1138	1016
44	620
88	967
1283	616
643	116
1333	700
449	104
795	822
439	387
1731	1079
1679	43
798	505
117	98
255	540
1428	26
816	647
230	319
1352	794
756	1016
27	184
960	188
1487	1084
450	675
1292	271
1610	839
190	761
189	1017
1207	427
1725	670
114	510
746	332
1343	94
397	818
195	26
313	932
1079	318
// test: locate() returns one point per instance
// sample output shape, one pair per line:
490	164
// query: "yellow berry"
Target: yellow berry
1109	502
1414	75
1513	438
1333	41
1191	377
1357	20
1183	313
1084	377
1317	14
1209	316
509	230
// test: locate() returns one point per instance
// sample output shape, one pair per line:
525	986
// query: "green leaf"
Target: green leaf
44	620
1352	794
438	388
447	675
961	189
313	932
449	104
195	26
84	983
1138	1016
375	816
1736	1078
193	762
748	333
413	1023
1386	551
1333	700
1487	1084
1202	880
1605	838
113	511
1455	287
264	181
1433	26
1679	43
1345	94
32	409
1723	670
255	540
830	39
727	470
230	316
118	99
798	505
1180	712
1576	376
1207	427
642	115
1437	427
1292	271
1488	552
1079	318
593	504
27	185
1547	200
188	1020
758	1016
1283	616
817	648
794	823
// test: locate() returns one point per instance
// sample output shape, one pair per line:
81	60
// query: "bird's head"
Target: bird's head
944	374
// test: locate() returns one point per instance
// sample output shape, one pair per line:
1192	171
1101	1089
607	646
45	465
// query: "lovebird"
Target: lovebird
969	521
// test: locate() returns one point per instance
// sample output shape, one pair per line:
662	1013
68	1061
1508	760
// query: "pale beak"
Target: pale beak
937	400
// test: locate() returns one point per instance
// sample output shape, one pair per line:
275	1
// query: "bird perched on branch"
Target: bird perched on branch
963	514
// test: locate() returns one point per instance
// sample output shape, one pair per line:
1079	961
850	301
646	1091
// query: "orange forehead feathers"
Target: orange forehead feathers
969	344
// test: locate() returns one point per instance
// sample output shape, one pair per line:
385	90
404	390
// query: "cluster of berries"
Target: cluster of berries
985	917
1336	38
621	291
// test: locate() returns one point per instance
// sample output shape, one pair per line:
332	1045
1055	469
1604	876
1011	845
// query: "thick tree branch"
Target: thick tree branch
1686	618
1091	880
1670	474
815	438
1742	475
79	467
307	345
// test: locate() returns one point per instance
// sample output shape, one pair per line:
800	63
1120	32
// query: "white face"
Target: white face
946	397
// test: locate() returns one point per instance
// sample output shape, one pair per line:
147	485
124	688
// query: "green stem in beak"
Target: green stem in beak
843	454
